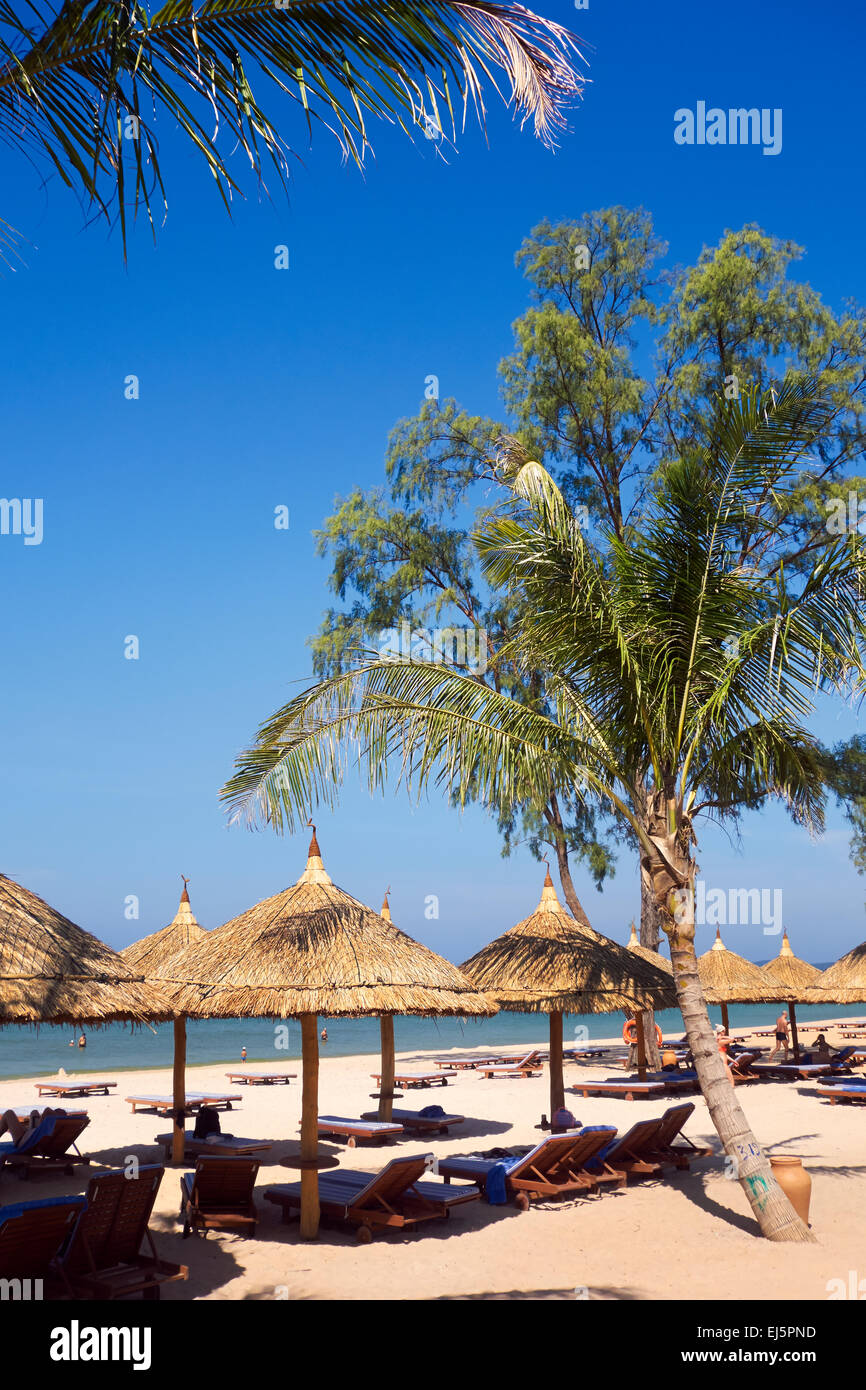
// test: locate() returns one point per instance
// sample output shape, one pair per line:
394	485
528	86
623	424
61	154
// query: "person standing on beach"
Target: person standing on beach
243	1054
781	1035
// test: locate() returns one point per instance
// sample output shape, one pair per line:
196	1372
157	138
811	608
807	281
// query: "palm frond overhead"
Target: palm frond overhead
89	85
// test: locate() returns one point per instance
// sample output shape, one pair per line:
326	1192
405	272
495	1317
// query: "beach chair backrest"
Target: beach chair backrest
672	1122
392	1180
112	1229
548	1154
588	1142
225	1181
641	1139
64	1132
32	1232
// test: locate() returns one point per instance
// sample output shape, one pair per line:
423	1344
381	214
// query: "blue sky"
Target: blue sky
261	387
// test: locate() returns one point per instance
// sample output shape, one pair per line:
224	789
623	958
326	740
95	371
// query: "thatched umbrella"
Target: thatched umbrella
844	982
654	957
552	964
151	955
312	950
52	971
727	978
791	977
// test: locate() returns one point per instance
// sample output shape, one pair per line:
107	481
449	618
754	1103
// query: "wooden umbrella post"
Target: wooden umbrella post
310	1127
178	1134
386	1088
794	1039
725	1019
641	1047
557	1083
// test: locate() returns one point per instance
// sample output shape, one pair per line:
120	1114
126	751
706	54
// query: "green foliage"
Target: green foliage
73	74
670	661
845	767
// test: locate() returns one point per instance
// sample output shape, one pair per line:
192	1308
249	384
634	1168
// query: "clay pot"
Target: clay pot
794	1182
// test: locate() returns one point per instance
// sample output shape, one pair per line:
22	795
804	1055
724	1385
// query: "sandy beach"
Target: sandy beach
688	1236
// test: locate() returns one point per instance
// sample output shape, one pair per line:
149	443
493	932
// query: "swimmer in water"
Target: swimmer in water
324	1035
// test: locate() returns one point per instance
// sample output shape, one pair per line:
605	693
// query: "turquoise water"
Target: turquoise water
32	1052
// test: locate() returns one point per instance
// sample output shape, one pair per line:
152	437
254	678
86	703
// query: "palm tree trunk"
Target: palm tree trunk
673	875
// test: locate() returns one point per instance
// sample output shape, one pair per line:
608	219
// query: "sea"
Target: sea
43	1050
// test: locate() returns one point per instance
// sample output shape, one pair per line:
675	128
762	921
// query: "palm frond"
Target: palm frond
88	84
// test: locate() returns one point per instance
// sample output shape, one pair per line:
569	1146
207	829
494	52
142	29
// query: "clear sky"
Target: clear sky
261	387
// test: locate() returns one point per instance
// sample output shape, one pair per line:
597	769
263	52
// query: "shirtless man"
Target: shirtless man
781	1036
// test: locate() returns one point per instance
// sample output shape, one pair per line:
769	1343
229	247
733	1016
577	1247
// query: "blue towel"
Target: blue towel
495	1187
431	1112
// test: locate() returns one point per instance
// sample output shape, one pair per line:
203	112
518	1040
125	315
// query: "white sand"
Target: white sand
689	1236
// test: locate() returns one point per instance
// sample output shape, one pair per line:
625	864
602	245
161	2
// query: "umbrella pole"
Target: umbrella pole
794	1038
310	1128
178	1133
557	1084
641	1047
725	1018
386	1088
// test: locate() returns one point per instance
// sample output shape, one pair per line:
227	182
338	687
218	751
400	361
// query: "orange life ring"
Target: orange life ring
629	1032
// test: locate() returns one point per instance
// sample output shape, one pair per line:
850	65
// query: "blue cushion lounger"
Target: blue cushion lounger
556	1166
836	1093
376	1131
615	1086
32	1234
431	1120
47	1146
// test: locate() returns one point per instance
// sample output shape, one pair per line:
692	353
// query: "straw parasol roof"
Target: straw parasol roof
790	976
52	971
727	978
844	982
152	953
654	957
551	963
314	949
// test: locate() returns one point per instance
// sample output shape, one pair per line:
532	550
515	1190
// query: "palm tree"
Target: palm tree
675	664
85	84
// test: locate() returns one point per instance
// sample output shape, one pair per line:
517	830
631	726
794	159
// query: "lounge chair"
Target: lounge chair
555	1167
218	1196
791	1071
32	1233
71	1087
372	1130
260	1078
416	1078
648	1146
419	1122
462	1063
628	1088
846	1092
164	1105
104	1257
395	1198
529	1065
47	1146
216	1144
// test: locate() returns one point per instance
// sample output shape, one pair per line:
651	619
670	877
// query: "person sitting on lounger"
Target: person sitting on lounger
19	1129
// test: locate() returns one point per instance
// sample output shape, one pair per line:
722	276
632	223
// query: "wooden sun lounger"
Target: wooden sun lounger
104	1259
614	1087
847	1092
164	1105
649	1145
415	1078
789	1071
48	1145
71	1087
218	1196
372	1131
32	1234
218	1144
463	1063
393	1198
260	1078
554	1168
528	1065
416	1123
